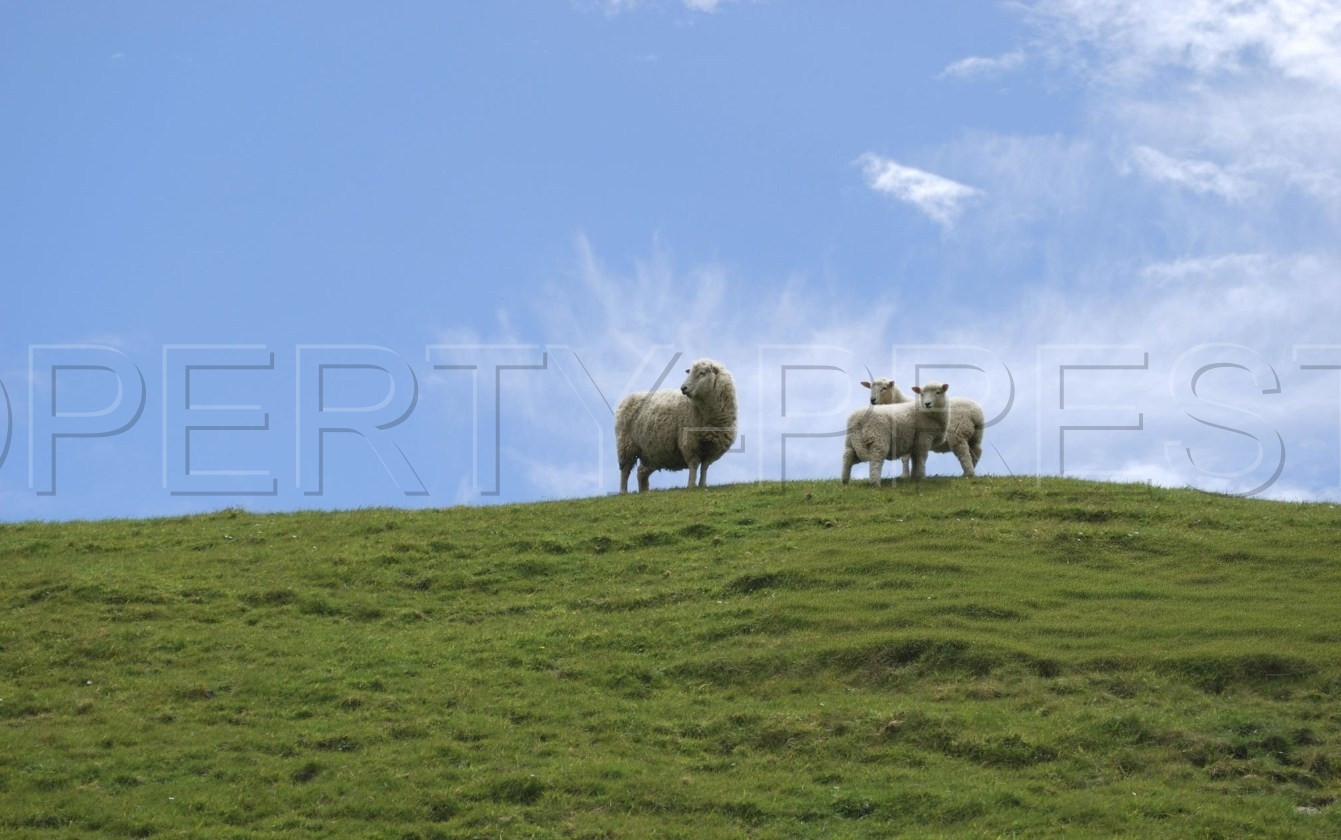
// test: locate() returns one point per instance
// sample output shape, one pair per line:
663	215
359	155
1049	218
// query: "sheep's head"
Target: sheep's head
701	378
882	391
932	396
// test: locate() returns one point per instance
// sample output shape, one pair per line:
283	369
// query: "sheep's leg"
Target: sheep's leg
624	477
876	464
975	449
703	475
919	460
965	457
644	473
906	460
693	474
849	458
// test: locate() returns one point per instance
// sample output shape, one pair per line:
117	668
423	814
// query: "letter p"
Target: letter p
57	373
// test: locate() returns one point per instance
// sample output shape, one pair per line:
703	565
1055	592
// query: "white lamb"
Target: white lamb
885	392
963	436
672	430
884	432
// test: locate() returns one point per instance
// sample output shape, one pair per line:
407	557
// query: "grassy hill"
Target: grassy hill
988	657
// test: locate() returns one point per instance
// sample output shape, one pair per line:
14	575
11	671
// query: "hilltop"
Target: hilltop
979	657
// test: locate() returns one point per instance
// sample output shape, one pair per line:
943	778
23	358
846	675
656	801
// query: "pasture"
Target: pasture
991	657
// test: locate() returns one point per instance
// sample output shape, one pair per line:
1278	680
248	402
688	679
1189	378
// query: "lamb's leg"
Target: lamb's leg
876	464
644	473
975	449
965	457
906	460
920	448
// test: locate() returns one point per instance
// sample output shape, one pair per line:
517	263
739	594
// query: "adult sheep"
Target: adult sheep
963	436
884	432
672	430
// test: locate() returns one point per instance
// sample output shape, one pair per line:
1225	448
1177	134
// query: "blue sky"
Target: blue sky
333	255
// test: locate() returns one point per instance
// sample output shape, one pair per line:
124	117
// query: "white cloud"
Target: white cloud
1232	101
1300	39
1167	310
1192	269
1199	176
1281	135
1228	100
1245	92
977	67
705	6
614	315
941	199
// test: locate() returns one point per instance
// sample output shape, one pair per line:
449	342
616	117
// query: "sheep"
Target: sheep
882	433
885	392
672	430
963	436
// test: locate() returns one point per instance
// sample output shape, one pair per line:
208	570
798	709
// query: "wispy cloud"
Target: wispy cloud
978	67
1137	39
1245	92
1222	100
705	6
1199	176
616	313
1194	269
939	198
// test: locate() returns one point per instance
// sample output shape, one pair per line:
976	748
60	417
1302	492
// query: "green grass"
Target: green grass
988	657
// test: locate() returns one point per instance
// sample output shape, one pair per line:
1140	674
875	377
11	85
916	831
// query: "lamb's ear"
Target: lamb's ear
945	386
866	384
917	389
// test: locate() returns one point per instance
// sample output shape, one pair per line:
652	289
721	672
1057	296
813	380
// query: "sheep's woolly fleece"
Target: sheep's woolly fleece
963	434
882	433
673	430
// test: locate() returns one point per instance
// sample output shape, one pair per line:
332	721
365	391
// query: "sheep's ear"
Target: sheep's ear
917	389
945	386
866	384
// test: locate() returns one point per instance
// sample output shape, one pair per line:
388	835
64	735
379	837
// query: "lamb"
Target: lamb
963	436
882	433
885	392
672	430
